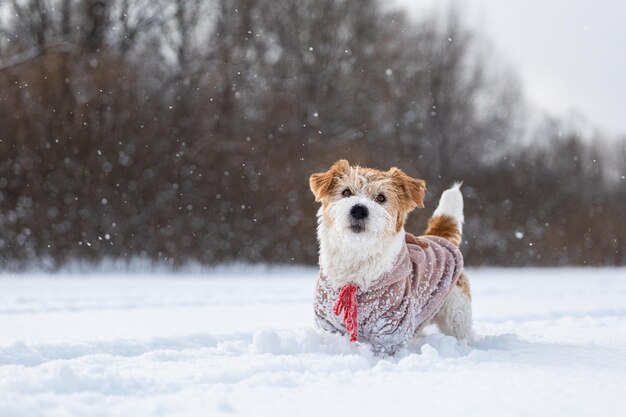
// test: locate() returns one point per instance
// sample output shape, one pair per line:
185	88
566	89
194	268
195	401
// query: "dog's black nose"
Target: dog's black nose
359	212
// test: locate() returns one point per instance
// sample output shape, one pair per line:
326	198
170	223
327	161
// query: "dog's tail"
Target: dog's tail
447	220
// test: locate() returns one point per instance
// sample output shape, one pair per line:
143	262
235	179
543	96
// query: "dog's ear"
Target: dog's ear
322	183
411	190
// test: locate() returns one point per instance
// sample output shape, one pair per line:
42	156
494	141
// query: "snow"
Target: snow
551	342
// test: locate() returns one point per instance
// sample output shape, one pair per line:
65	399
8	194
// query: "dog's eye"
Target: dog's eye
381	198
347	193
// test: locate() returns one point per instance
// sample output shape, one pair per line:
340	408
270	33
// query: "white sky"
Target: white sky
571	54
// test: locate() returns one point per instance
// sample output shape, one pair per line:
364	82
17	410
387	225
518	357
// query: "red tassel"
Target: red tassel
346	303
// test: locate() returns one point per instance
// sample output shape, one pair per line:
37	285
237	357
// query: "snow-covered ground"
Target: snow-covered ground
551	343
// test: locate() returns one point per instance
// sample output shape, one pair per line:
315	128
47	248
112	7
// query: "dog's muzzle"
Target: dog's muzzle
358	215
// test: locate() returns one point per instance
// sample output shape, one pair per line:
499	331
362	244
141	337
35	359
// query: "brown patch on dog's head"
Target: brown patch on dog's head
411	190
400	192
323	183
410	193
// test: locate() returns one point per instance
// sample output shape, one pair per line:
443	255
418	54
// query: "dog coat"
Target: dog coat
399	303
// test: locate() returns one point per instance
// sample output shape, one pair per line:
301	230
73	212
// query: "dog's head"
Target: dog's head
364	202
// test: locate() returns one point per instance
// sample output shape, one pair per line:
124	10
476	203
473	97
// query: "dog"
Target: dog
386	283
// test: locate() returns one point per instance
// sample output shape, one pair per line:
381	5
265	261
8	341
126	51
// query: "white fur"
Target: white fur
451	204
378	225
361	258
455	316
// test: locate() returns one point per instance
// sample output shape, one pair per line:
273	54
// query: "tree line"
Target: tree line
181	131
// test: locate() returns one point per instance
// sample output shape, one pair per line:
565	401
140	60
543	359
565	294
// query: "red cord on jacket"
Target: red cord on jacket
346	303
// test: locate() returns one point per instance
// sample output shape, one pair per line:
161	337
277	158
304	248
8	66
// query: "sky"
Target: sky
570	54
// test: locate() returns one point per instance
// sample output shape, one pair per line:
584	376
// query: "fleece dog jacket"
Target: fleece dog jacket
399	303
